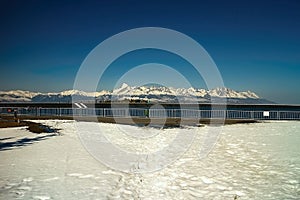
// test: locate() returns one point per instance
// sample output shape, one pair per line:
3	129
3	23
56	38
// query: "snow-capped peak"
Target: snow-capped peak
156	93
229	93
125	89
21	93
78	92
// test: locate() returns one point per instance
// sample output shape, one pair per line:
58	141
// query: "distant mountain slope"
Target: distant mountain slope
140	93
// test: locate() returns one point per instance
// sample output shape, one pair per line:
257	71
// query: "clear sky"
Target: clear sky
255	44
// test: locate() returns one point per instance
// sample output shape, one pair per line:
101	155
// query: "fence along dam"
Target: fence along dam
150	110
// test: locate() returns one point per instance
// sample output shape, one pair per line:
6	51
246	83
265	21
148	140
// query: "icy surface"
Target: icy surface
254	161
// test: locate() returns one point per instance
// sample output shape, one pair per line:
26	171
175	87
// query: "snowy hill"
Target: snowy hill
138	93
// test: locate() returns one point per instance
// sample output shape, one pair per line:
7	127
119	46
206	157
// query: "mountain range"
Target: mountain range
136	93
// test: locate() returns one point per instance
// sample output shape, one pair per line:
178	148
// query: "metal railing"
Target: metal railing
156	113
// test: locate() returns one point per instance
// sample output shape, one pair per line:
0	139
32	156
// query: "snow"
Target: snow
125	89
8	98
77	92
263	166
134	92
21	93
229	93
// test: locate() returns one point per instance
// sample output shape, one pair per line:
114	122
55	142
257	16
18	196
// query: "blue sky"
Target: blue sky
255	44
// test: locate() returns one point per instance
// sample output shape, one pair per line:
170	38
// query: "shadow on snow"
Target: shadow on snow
23	142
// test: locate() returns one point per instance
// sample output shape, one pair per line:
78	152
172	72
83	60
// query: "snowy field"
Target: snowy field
252	161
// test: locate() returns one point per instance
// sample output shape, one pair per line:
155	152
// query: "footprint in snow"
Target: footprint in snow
51	179
75	174
41	197
29	179
24	188
82	176
87	176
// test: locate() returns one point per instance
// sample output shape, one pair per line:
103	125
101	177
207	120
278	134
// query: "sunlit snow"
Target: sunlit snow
250	161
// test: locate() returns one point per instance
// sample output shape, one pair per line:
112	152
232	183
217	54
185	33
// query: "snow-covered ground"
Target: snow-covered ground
253	161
